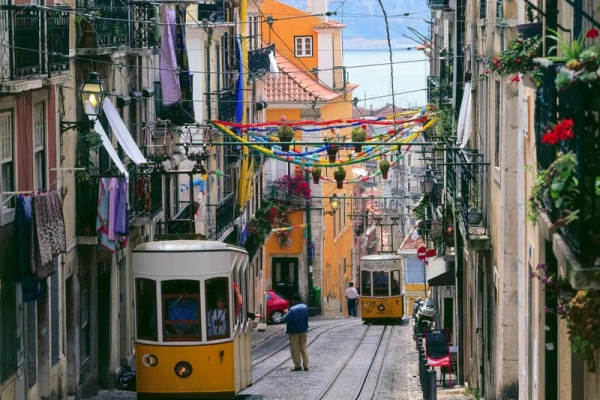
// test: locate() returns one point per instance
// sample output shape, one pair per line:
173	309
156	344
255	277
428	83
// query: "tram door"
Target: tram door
285	276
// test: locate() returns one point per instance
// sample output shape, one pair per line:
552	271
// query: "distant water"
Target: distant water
410	77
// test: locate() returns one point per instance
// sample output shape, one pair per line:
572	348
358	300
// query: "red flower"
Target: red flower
517	60
486	71
559	132
592	33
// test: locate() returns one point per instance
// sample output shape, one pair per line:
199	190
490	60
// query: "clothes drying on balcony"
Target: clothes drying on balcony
171	92
122	133
464	117
111	215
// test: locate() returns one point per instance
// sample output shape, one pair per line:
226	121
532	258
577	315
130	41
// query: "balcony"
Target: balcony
578	242
145	26
438	4
224	214
432	83
37	42
145	195
226	104
216	11
182	226
102	27
258	63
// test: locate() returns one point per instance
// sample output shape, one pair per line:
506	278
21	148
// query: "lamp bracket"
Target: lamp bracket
68	125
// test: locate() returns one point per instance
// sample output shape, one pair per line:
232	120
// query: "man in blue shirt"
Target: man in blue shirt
296	320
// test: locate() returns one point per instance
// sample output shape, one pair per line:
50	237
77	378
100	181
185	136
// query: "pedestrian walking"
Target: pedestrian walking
296	320
352	297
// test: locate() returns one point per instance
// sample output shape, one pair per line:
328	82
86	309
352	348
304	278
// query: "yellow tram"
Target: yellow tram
193	336
381	288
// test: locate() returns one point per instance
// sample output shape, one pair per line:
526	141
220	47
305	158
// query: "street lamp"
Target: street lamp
334	204
92	97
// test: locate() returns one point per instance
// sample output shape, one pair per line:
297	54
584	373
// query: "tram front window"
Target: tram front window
181	320
380	283
218	312
365	283
146	323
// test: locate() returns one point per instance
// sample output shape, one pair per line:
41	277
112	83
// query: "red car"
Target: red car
276	306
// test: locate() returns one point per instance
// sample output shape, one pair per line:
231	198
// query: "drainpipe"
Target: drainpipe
309	259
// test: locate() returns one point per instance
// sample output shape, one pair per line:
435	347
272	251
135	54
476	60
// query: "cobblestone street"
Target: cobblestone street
400	380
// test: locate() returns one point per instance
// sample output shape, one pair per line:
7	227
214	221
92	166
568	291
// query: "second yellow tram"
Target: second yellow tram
381	288
193	337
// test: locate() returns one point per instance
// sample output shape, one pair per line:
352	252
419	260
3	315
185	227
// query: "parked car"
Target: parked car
276	306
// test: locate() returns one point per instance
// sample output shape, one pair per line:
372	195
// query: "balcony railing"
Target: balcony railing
579	103
215	11
258	63
36	41
145	25
226	105
145	195
103	26
432	83
224	213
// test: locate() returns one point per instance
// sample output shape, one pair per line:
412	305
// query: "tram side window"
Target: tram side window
365	283
218	312
180	305
380	283
147	324
396	288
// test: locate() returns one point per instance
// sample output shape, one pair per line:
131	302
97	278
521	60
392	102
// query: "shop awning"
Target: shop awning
122	133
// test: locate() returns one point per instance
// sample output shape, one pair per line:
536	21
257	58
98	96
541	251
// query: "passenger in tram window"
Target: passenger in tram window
217	318
184	308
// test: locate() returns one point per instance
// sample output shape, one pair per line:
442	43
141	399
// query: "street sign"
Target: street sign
430	253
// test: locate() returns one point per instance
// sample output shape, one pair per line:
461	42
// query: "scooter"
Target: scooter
424	318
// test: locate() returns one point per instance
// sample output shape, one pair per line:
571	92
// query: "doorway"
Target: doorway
104	330
285	276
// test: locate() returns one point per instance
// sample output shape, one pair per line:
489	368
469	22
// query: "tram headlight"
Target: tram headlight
183	369
381	308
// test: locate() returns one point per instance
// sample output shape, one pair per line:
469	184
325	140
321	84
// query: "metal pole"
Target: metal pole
309	259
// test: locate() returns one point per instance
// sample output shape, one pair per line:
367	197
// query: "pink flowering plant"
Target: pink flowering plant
580	309
517	59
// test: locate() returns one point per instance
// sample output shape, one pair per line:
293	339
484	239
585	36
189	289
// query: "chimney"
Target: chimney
317	7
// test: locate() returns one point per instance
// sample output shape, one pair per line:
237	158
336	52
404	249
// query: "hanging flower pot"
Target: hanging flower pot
359	134
339	175
332	151
316	174
384	167
285	134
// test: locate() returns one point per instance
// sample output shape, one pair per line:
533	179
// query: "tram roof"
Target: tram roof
179	246
379	257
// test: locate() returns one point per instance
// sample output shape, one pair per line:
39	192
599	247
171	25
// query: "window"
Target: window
497	125
7	183
254	28
396	283
303	46
39	147
8	333
145	298
218	315
380	283
365	283
180	306
85	340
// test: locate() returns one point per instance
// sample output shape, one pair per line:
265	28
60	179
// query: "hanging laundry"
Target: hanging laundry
113	196
184	111
169	81
102	216
273	64
48	237
30	284
122	219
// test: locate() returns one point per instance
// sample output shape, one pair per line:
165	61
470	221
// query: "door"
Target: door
104	330
285	276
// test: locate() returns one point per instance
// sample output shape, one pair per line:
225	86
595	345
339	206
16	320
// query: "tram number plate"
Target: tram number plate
436	343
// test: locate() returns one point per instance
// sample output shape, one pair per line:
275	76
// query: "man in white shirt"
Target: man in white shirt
352	296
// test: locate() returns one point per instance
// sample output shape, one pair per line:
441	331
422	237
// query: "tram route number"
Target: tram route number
436	343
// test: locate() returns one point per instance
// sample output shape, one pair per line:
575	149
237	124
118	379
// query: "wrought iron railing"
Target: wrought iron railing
340	78
226	105
108	23
258	63
224	214
432	83
35	41
144	25
545	113
145	194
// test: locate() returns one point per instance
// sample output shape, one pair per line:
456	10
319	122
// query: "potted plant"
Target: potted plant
332	151
517	58
316	174
285	134
339	175
384	167
359	134
533	27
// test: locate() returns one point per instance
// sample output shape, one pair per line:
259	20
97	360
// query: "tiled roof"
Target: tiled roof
295	85
330	25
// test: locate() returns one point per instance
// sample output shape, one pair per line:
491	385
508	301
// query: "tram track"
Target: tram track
273	353
385	337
